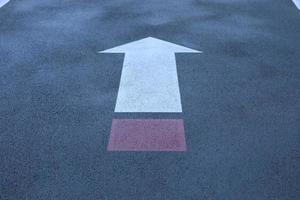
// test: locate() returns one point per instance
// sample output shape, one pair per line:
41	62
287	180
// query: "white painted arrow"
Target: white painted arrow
297	3
3	2
149	81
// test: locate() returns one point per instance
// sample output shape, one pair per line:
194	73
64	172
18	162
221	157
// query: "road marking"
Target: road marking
149	81
3	2
147	135
297	3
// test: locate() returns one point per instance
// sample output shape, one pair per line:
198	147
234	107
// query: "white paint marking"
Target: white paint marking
297	3
149	80
3	2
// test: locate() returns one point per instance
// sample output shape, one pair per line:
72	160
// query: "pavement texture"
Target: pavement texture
240	100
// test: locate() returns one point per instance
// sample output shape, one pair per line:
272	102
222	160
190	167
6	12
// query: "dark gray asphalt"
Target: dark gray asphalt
241	100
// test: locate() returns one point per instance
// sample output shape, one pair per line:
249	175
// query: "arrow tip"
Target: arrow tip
150	44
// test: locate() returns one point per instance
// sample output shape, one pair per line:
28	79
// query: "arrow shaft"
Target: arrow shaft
149	83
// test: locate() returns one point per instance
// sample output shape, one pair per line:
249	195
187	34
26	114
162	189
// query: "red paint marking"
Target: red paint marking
147	135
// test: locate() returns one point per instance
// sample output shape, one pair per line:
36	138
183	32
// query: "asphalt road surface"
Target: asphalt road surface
240	100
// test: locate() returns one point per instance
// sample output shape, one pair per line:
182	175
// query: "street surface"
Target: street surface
150	100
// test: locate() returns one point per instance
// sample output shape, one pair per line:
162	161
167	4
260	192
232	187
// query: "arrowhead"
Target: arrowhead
297	3
150	44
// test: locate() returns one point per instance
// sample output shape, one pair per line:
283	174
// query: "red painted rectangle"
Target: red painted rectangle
147	135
